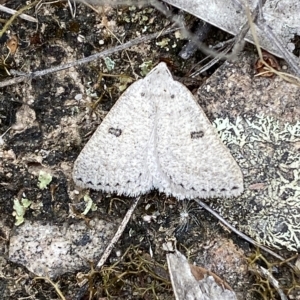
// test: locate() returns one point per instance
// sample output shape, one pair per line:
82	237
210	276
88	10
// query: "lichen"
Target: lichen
90	205
44	180
268	154
110	64
146	67
20	210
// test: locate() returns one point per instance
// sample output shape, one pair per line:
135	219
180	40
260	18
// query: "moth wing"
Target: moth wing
192	161
114	159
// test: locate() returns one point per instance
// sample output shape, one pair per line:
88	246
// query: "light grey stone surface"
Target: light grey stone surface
258	119
50	250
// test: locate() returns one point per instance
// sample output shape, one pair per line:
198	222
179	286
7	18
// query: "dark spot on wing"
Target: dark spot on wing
142	94
101	184
212	190
89	182
235	188
197	134
193	189
203	190
79	179
115	131
181	185
223	190
172	96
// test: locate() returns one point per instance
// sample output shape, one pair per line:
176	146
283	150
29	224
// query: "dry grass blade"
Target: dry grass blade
57	290
288	56
17	14
12	12
115	238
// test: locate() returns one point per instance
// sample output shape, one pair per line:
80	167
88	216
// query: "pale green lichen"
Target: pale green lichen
109	63
163	43
268	154
90	205
20	209
44	180
146	67
124	81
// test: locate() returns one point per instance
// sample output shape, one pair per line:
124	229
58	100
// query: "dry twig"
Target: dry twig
17	14
85	60
115	238
12	12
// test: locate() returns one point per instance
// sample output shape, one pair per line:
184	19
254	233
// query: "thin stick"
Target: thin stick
12	12
118	234
115	239
239	38
287	55
17	14
211	62
85	60
237	44
242	235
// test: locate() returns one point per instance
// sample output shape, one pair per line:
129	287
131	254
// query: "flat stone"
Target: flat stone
258	119
50	250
